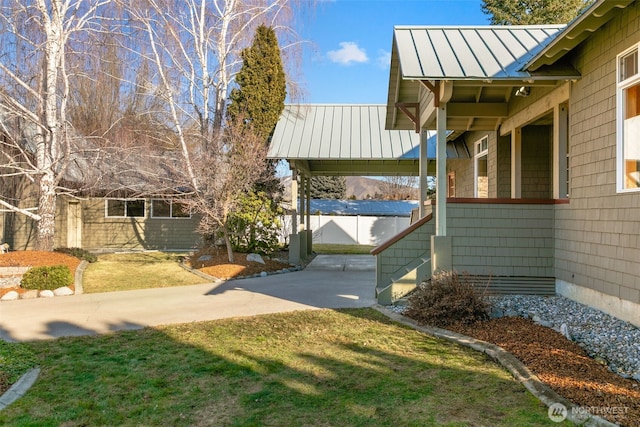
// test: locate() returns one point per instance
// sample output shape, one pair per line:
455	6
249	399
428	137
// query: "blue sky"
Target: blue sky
347	61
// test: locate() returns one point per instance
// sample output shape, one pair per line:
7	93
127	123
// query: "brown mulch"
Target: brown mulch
36	259
563	365
220	267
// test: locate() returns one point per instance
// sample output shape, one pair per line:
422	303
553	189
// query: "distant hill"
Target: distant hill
359	186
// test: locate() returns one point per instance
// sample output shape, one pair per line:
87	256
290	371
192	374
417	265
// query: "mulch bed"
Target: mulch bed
564	366
220	267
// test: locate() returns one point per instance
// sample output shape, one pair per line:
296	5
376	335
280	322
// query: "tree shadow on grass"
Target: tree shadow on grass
350	367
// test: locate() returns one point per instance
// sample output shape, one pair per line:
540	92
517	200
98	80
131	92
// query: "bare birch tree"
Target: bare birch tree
35	38
195	47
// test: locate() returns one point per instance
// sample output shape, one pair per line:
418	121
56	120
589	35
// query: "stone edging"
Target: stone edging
519	371
18	389
77	282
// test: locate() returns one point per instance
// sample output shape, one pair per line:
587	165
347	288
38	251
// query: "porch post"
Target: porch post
294	237
423	173
308	196
294	202
560	138
516	163
441	171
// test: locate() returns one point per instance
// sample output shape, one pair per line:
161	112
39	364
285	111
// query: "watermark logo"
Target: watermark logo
557	412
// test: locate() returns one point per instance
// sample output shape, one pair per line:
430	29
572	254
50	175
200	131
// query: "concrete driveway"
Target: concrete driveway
329	281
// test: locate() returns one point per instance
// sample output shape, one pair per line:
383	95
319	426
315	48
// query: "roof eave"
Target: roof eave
593	17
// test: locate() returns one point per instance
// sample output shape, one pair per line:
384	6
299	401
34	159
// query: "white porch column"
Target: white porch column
308	196
560	139
441	170
422	175
516	163
294	202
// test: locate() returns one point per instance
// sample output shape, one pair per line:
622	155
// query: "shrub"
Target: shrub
447	298
255	225
79	253
47	277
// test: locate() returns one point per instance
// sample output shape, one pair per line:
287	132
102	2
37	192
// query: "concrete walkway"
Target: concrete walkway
329	281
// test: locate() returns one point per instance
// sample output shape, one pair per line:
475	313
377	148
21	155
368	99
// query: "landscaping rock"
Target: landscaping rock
496	313
46	294
264	274
564	330
63	291
255	258
205	258
10	296
31	294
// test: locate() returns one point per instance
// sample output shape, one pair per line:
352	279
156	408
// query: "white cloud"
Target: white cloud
384	58
348	54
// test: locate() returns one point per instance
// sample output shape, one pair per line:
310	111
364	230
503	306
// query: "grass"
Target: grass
322	368
139	270
342	249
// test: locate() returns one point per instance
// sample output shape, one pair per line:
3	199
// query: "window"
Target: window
168	209
628	121
451	184
120	208
481	181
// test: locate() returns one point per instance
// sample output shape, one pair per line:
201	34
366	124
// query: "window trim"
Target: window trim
106	208
171	216
621	86
479	152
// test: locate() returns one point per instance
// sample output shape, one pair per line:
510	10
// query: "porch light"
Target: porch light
523	91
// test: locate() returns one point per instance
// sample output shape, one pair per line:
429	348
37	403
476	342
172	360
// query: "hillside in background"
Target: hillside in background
359	186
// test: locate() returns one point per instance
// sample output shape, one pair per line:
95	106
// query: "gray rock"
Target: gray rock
255	258
63	291
10	296
205	258
263	274
496	313
511	313
46	294
636	377
564	330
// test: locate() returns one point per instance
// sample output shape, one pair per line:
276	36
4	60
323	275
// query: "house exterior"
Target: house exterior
551	117
100	224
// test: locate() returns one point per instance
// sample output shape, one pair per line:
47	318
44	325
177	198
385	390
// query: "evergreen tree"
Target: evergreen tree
261	84
328	187
532	12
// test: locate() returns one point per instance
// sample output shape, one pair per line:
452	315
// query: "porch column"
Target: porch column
308	191
423	173
294	202
516	163
560	139
294	237
441	170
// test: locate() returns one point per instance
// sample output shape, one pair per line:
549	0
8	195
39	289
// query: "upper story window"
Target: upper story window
628	121
168	209
122	208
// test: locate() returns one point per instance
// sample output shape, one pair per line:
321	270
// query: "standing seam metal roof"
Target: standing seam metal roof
341	132
483	52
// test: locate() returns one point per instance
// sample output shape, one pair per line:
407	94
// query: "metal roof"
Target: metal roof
480	68
343	140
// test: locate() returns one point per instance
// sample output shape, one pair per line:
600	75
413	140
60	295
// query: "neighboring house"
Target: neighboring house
551	195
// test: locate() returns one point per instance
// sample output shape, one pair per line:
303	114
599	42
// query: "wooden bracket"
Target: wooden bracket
435	89
414	117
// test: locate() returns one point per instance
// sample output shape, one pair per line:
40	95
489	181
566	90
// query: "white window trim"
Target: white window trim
620	109
476	155
171	204
106	208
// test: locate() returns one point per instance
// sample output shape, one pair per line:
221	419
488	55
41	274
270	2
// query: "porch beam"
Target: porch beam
473	109
536	109
506	83
435	89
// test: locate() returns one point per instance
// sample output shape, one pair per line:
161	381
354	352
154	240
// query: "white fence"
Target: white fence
353	230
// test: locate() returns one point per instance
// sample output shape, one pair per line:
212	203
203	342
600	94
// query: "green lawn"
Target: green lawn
138	270
308	368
